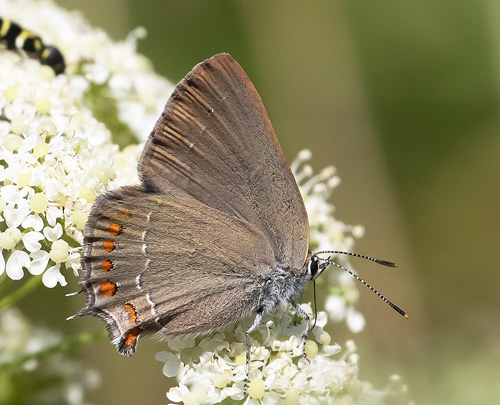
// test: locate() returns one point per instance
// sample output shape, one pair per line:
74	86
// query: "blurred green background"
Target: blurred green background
403	98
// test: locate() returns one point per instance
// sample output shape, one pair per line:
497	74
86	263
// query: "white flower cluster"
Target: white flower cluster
55	156
328	233
112	69
49	182
22	363
211	370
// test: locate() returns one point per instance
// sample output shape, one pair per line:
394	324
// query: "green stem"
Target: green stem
32	283
71	242
4	281
69	343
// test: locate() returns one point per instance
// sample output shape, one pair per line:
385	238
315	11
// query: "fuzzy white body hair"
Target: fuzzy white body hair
278	288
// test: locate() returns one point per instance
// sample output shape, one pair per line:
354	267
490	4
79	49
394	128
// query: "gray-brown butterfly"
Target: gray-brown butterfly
216	231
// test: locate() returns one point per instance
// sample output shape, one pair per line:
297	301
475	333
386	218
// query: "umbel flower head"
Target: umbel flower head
56	156
59	150
212	370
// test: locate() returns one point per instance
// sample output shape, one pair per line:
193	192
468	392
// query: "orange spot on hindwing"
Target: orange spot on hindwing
108	288
132	312
131	337
126	213
107	265
108	245
115	229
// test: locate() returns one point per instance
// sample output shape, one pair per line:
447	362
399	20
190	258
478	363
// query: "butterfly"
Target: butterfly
216	231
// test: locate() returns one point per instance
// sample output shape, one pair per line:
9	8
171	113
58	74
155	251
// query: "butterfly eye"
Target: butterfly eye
313	268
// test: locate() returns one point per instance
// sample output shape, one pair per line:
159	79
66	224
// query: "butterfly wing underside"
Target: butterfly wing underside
218	208
138	250
214	142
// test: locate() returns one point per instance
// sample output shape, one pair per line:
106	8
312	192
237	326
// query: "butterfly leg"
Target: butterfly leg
306	317
254	326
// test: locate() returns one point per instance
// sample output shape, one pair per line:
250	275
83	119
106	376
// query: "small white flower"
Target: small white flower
11	194
15	264
39	262
15	212
176	394
172	363
33	221
52	276
73	261
53	214
53	234
336	308
355	320
31	241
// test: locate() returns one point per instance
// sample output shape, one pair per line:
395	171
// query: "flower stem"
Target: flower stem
30	285
69	343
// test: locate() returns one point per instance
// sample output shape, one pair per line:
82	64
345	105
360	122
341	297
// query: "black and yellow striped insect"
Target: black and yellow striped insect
24	41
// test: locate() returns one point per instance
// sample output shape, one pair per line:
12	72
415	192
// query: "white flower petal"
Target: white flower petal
162	356
39	262
53	276
31	241
33	221
332	349
10	193
74	263
98	73
322	319
53	213
15	213
172	364
52	192
53	234
176	394
17	260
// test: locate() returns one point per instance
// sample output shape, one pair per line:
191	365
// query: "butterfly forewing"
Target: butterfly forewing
214	142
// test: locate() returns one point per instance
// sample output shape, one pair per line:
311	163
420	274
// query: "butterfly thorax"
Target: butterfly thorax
279	287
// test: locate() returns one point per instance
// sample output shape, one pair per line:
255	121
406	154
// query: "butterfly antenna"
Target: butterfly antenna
372	259
390	264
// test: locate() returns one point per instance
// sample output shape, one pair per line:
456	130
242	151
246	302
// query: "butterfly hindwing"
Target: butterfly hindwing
137	252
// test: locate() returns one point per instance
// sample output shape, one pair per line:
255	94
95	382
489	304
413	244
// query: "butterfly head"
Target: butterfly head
315	267
317	264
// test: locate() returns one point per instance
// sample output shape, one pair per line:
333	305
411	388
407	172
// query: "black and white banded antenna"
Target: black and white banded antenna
326	262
